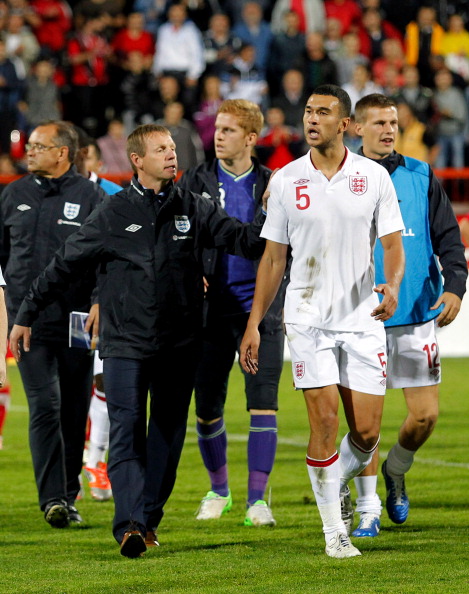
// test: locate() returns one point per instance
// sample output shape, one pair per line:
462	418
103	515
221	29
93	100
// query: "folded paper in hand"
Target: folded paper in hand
78	337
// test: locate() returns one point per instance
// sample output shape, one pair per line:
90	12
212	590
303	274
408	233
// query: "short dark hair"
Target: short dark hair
65	135
96	147
84	139
410	107
340	94
372	100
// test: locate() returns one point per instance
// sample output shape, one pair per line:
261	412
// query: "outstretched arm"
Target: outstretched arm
269	276
394	264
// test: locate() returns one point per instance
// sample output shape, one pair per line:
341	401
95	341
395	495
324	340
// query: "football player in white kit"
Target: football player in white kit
330	205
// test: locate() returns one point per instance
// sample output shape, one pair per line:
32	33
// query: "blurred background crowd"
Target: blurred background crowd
109	65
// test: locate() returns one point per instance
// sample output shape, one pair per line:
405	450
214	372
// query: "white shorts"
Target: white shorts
98	364
355	360
413	356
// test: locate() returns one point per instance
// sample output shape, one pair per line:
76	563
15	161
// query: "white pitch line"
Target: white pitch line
382	454
296	444
16	408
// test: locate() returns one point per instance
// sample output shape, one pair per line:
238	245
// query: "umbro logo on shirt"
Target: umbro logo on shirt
301	181
23	207
133	228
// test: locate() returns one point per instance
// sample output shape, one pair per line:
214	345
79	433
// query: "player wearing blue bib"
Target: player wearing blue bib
431	242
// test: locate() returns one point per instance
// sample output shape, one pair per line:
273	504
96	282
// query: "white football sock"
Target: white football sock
325	482
353	459
367	498
399	460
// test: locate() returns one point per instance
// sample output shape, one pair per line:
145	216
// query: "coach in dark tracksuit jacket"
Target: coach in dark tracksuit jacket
147	242
38	213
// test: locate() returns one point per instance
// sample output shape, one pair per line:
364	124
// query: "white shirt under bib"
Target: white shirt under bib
332	227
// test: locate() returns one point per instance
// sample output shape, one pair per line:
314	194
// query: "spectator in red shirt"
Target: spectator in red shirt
53	24
88	54
133	38
278	144
375	31
393	55
348	12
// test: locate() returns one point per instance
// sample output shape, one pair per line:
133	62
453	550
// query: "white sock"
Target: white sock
399	460
367	498
325	482
99	431
353	459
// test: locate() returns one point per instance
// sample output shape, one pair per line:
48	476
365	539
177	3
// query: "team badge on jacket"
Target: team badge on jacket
358	184
182	223
299	369
71	210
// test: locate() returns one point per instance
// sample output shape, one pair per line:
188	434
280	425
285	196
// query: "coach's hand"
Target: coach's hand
451	309
20	335
92	324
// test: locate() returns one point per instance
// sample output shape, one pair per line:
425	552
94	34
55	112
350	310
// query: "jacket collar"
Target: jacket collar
148	193
390	163
53	184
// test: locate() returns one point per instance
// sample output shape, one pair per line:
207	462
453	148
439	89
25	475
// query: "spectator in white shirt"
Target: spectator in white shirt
180	51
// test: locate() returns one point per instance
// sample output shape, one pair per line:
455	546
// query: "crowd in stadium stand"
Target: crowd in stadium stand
109	65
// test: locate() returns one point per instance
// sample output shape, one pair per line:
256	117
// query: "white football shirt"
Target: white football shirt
332	227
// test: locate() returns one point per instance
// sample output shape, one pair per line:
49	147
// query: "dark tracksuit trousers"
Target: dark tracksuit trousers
222	340
143	462
58	382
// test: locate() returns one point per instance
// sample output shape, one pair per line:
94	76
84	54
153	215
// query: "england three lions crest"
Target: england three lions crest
358	184
182	223
71	210
299	367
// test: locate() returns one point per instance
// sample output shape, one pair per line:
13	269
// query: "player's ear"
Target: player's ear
135	160
358	129
251	139
344	124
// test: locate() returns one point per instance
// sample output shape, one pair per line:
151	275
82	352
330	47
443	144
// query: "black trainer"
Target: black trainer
74	516
56	514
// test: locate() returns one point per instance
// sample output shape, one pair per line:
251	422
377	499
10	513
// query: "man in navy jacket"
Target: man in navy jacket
38	213
147	243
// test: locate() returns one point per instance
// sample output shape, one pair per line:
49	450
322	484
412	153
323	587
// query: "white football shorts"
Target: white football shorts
413	356
355	360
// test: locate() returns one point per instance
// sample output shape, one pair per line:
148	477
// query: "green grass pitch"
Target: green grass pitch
428	554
